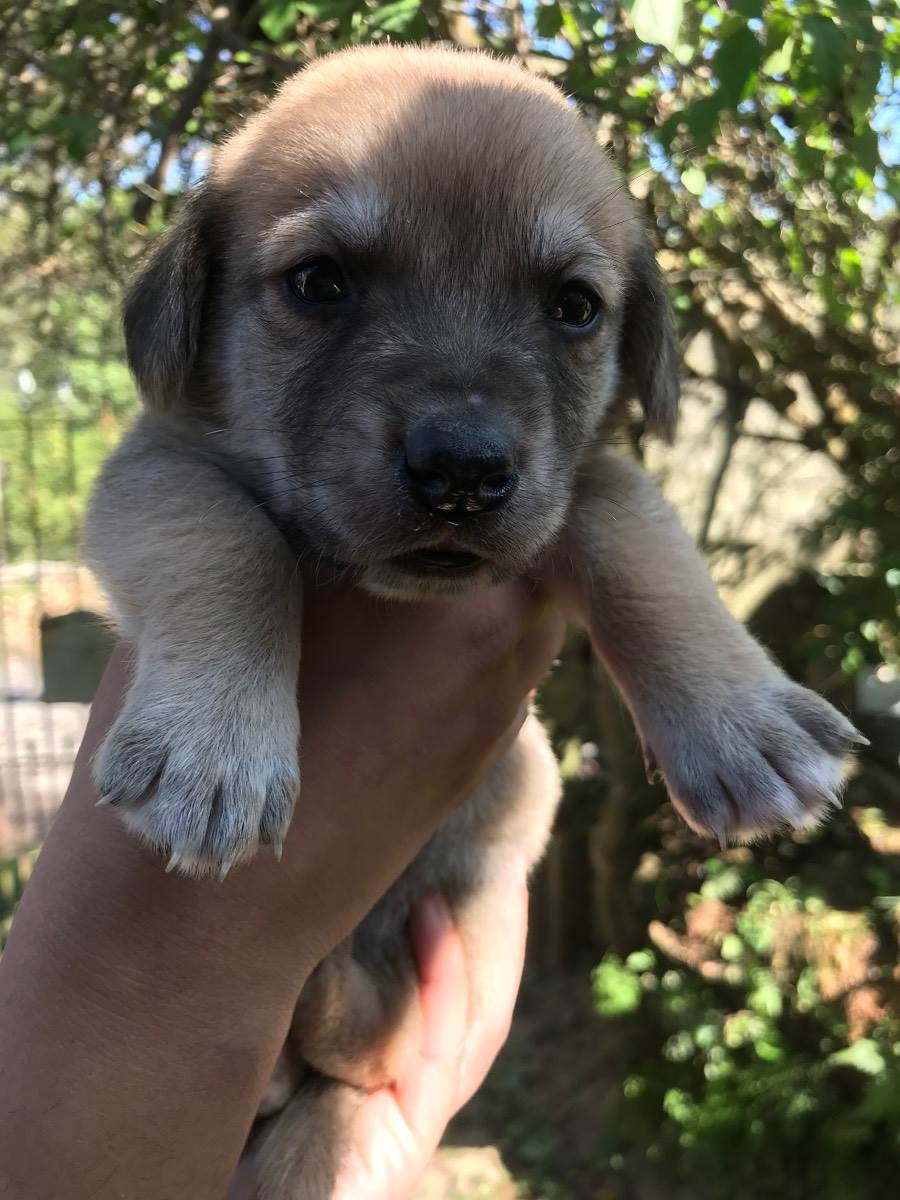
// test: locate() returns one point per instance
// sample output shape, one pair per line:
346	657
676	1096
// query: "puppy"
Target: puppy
386	337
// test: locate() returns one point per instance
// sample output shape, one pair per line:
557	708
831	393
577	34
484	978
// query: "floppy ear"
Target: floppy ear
649	356
164	307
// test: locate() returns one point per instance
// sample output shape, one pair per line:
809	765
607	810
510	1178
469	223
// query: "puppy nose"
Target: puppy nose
459	469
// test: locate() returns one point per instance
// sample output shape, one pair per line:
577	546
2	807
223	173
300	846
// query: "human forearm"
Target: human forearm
140	1013
135	1059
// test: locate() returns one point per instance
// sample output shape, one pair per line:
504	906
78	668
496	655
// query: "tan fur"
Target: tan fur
458	191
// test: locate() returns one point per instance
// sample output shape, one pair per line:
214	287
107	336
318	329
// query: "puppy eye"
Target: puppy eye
320	281
575	305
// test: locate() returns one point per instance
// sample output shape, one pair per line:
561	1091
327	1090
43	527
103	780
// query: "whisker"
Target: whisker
615	224
248	429
618	504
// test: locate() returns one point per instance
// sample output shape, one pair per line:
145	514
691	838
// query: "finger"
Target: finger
427	1091
492	1006
396	1131
384	1159
440	967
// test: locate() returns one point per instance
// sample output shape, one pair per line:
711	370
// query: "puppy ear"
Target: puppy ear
649	356
164	307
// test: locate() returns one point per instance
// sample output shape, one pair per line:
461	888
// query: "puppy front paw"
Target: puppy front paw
773	756
202	781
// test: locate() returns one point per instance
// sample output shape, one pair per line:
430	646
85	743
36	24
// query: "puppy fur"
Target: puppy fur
457	193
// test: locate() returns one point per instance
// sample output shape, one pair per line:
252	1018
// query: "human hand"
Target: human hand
122	987
403	710
397	1129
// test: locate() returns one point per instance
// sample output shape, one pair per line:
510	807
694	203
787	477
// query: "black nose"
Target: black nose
459	469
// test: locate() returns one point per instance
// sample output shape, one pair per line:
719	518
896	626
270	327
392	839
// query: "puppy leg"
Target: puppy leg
299	1154
356	1021
742	748
202	761
353	1026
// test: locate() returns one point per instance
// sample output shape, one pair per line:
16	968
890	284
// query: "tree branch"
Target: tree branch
736	400
199	81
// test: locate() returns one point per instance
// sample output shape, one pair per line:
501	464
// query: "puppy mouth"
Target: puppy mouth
444	559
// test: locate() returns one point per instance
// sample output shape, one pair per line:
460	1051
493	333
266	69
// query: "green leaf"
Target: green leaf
694	179
735	63
865	148
708	1035
328	10
701	118
850	264
820	137
678	1105
779	27
748	8
404	17
680	1047
767	1050
658	22
640	960
841	173
865	80
617	990
278	18
732	947
724	885
765	997
779	62
829	49
864	1055
548	20
571	26
857	13
77	131
17	143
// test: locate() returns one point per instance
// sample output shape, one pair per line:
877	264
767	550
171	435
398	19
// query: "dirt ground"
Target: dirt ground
532	1132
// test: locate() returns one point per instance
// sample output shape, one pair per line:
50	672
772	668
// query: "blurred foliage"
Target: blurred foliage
14	873
758	1025
761	140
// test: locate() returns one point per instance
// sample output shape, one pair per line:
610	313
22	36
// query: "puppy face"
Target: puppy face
408	293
